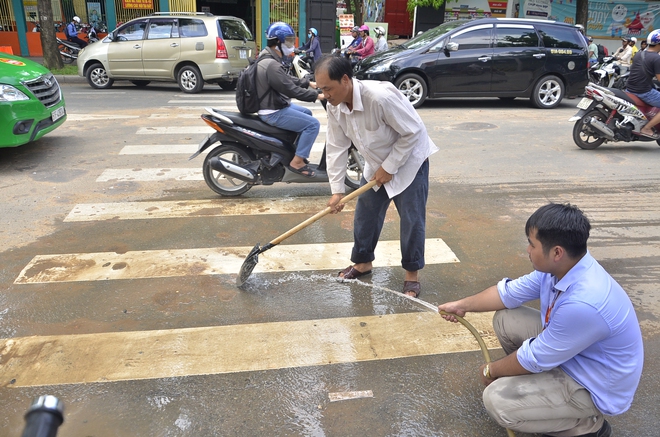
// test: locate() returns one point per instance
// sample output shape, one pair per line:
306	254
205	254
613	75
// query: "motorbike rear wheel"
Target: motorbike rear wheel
584	136
66	53
221	184
355	169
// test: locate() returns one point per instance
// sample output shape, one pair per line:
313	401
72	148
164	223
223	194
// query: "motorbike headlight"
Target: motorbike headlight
9	93
380	68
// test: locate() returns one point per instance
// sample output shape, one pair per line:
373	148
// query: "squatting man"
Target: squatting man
577	359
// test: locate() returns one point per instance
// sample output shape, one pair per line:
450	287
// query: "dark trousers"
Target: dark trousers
370	215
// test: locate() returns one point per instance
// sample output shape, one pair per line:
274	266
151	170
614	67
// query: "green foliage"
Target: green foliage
71	70
435	4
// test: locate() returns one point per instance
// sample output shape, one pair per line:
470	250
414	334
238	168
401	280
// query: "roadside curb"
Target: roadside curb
69	78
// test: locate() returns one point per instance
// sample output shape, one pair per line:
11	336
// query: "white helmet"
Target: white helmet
379	30
76	19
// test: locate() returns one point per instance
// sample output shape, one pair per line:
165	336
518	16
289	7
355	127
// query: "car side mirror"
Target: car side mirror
451	47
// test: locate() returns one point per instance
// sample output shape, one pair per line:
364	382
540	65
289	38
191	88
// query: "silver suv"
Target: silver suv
185	47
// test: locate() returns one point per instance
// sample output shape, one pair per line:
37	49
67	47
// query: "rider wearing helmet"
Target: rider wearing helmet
277	88
367	46
73	32
357	40
640	82
381	42
312	47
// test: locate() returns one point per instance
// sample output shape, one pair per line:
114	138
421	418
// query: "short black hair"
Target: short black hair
335	66
562	225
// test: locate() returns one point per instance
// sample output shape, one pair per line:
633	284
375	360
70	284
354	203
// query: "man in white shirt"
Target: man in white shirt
390	135
623	54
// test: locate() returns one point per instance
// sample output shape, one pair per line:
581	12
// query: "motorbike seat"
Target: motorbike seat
253	122
648	110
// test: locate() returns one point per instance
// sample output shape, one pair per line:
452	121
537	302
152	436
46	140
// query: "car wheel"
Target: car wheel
548	92
413	87
218	182
140	83
584	136
190	79
228	86
97	77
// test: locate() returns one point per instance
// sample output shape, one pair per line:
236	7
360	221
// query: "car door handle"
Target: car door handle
174	45
539	55
485	58
137	46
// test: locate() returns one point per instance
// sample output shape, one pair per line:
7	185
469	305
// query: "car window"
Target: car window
475	39
160	28
132	31
560	37
234	29
516	37
189	27
431	35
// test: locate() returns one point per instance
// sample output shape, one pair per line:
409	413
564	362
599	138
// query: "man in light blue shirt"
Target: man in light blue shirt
576	360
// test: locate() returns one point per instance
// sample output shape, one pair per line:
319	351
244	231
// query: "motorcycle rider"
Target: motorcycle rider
640	81
367	46
278	88
623	54
73	32
633	46
357	40
312	47
381	42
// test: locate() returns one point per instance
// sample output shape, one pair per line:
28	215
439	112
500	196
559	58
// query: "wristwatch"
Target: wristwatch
487	372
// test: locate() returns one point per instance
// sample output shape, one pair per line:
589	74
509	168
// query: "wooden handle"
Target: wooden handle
323	213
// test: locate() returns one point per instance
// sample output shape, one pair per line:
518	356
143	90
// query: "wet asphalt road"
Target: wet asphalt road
498	162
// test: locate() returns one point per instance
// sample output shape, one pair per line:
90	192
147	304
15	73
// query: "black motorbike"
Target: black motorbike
249	152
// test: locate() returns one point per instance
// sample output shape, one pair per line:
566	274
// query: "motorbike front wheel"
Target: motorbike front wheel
584	136
220	183
66	53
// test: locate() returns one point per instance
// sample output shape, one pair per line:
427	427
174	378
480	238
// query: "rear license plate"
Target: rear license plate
57	114
584	103
242	54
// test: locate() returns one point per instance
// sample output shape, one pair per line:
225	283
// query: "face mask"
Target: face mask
286	50
309	35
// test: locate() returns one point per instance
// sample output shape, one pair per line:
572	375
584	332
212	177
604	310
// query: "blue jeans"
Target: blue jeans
297	119
411	206
650	97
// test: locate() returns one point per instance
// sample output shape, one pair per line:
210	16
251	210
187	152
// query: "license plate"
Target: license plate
584	103
242	54
57	114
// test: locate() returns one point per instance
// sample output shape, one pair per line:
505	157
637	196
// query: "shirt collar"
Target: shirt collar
357	99
577	272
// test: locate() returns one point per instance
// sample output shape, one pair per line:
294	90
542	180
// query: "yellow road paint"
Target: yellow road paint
124	356
211	261
197	208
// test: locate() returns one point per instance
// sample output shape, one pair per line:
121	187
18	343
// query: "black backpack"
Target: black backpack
247	99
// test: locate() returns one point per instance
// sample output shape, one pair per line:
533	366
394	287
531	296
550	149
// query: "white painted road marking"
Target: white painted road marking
98	117
150	174
85	212
127	356
103	266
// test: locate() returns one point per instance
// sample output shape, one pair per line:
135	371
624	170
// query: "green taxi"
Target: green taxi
31	102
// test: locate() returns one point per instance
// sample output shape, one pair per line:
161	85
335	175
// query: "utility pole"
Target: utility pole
52	58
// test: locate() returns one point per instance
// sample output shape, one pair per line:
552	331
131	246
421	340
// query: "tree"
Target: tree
435	4
52	58
355	7
582	13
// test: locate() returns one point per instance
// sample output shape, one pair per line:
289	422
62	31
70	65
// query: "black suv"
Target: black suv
490	57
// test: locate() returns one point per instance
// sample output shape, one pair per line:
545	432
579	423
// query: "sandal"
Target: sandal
351	273
412	286
305	170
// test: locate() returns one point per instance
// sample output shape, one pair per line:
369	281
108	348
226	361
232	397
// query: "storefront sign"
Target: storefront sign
138	4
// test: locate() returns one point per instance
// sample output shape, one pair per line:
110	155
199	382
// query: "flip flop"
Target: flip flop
412	286
350	273
654	136
305	170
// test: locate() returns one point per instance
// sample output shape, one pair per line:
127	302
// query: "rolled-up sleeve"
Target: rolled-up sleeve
515	292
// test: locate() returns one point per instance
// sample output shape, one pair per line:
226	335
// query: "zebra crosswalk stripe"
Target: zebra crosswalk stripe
103	266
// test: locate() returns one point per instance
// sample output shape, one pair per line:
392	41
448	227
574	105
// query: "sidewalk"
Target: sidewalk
61	78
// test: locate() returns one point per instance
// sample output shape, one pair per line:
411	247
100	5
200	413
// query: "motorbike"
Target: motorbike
606	73
68	50
610	115
300	67
90	33
249	152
